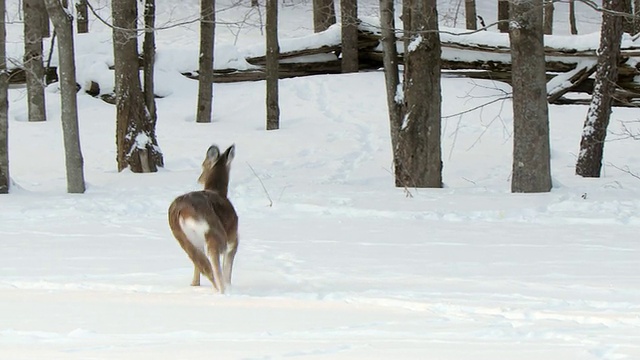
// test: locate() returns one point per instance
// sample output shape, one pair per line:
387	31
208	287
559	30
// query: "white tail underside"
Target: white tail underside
195	230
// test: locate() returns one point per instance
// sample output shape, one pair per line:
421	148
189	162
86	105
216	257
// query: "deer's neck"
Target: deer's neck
217	184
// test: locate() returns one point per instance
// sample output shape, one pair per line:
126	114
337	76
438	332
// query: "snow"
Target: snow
342	265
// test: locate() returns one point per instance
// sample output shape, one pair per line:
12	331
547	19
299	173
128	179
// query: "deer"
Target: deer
205	222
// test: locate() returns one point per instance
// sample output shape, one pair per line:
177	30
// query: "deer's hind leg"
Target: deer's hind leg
214	247
229	256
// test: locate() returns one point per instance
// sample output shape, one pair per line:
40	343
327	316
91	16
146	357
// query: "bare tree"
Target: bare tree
548	17
503	15
595	126
392	78
349	20
324	14
531	154
572	17
419	158
205	66
82	15
137	147
149	57
33	65
273	50
5	179
63	25
470	14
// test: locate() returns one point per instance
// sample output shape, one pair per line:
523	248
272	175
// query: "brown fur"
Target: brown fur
213	206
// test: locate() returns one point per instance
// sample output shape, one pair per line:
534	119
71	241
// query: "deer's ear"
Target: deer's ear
230	153
213	153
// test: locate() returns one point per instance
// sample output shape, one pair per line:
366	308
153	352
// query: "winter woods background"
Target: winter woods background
381	216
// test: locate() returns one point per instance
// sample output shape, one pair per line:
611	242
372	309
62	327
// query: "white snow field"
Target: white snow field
342	265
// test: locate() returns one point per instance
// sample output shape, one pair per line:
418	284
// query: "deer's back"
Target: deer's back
208	205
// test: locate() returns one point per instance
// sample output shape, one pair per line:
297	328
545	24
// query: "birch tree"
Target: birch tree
33	64
594	132
273	50
5	179
531	154
205	65
137	147
63	26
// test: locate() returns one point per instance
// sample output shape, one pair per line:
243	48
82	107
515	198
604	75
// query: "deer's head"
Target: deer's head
215	169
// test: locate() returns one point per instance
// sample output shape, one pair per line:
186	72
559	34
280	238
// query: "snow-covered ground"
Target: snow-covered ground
342	265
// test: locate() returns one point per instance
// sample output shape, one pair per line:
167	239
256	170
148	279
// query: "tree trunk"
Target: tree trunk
83	16
419	154
531	154
392	79
137	147
470	14
324	14
33	66
205	72
595	126
572	17
5	179
627	22
63	26
503	16
273	50
44	20
548	17
149	56
349	19
636	17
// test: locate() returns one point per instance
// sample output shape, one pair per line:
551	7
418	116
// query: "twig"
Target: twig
261	183
625	170
406	189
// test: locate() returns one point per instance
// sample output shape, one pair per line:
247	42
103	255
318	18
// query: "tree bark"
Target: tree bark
149	56
324	14
392	78
627	22
572	17
470	14
419	153
636	17
137	147
548	17
594	131
205	81
503	16
82	16
531	154
63	25
44	20
273	49
33	66
349	19
5	179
